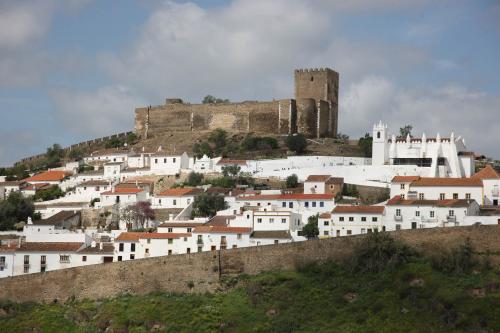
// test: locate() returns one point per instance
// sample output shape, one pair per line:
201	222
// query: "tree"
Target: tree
144	212
14	209
51	193
218	139
311	230
203	148
296	143
54	154
209	99
114	143
343	137
76	154
292	181
194	179
207	204
129	215
231	170
405	131
365	143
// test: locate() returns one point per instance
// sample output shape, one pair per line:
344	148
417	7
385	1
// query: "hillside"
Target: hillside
384	287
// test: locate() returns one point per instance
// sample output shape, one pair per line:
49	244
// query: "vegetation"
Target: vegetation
53	192
365	143
54	155
14	209
194	179
209	99
259	143
76	154
411	296
296	143
17	172
311	230
292	181
350	190
207	204
116	142
405	131
136	215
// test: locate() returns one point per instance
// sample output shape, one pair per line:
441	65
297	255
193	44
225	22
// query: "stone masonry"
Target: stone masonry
203	272
313	112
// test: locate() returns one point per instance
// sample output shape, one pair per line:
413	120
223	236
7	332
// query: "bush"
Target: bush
51	193
458	260
296	143
15	209
207	204
292	181
194	179
379	252
259	143
311	230
365	143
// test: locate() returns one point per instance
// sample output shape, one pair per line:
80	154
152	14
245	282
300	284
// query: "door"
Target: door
108	259
414	225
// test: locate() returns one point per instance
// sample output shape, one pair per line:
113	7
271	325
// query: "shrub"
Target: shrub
458	260
296	143
378	252
292	181
207	204
194	179
311	230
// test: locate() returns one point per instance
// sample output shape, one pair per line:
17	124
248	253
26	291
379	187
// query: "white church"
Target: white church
441	157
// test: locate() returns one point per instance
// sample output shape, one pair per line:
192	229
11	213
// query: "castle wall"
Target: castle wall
203	271
287	116
324	127
307	121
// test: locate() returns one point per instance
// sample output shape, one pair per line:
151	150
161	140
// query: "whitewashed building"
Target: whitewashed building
168	164
351	220
123	196
137	245
175	197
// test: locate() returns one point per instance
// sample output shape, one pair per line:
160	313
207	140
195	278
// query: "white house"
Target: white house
136	245
7	187
322	184
167	164
123	196
413	213
446	157
175	197
351	220
203	165
491	185
212	237
92	189
107	155
180	226
112	170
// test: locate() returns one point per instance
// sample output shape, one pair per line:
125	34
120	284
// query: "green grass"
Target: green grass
312	299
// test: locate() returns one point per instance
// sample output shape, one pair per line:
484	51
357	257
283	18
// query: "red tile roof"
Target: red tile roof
448	182
486	173
180	224
216	229
358	210
94	183
318	178
179	192
398	201
123	190
48	176
325	216
135	236
291	196
50	247
405	179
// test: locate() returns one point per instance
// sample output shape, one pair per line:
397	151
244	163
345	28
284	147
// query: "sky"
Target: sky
75	70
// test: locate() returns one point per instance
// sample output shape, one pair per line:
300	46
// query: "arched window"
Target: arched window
312	78
378	135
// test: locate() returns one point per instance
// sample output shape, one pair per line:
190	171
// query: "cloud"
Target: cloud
471	114
96	113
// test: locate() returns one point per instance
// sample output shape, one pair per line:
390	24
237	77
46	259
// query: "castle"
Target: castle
313	112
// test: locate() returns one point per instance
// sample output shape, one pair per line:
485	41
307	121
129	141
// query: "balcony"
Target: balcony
451	218
199	242
398	218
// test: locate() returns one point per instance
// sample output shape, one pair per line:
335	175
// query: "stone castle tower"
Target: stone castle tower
313	112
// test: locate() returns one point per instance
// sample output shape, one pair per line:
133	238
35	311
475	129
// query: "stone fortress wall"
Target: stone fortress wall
313	112
204	272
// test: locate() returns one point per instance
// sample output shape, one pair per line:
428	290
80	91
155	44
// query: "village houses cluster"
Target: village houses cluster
432	183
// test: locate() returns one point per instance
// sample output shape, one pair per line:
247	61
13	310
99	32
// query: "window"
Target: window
374	219
306	204
378	135
455	195
238	236
84	258
290	205
188	201
451	213
64	258
149	241
467	196
164	160
326	223
120	247
174	202
271	220
170	241
132	247
170	229
132	256
402	186
156	161
185	239
325	233
363	218
398	226
349	232
398	212
314	203
173	160
351	218
363	230
146	251
421	196
283	220
259	220
402	196
442	196
200	248
159	201
189	229
431	214
321	204
276	241
235	246
417	213
119	258
341	219
169	252
283	204
188	250
2	263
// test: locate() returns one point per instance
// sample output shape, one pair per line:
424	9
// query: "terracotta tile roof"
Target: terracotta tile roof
220	220
273	234
11	247
93	183
11	183
448	182
291	196
36	187
50	247
325	216
335	180
179	192
216	229
180	224
49	176
232	162
317	178
405	179
57	218
123	190
397	201
486	173
358	210
135	236
106	248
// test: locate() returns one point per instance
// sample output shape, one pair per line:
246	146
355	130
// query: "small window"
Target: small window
363	218
174	202
402	196
189	229
398	212
349	232
325	233
431	214
119	258
283	220
173	160
455	195
306	204
417	213
132	256
120	247
321	204
170	241
132	247
164	160
271	220
314	203
378	135
351	219
341	219
442	196
421	196
64	258
149	240
84	258
146	251
290	205
374	219
259	220
451	213
467	196
402	186
326	223
283	204
398	226
170	229
238	236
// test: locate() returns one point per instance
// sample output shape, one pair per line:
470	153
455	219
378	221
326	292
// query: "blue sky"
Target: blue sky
74	70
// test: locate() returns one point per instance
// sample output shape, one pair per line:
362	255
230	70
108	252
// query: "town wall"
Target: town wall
202	272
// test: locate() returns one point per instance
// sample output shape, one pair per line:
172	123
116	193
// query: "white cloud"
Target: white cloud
97	113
